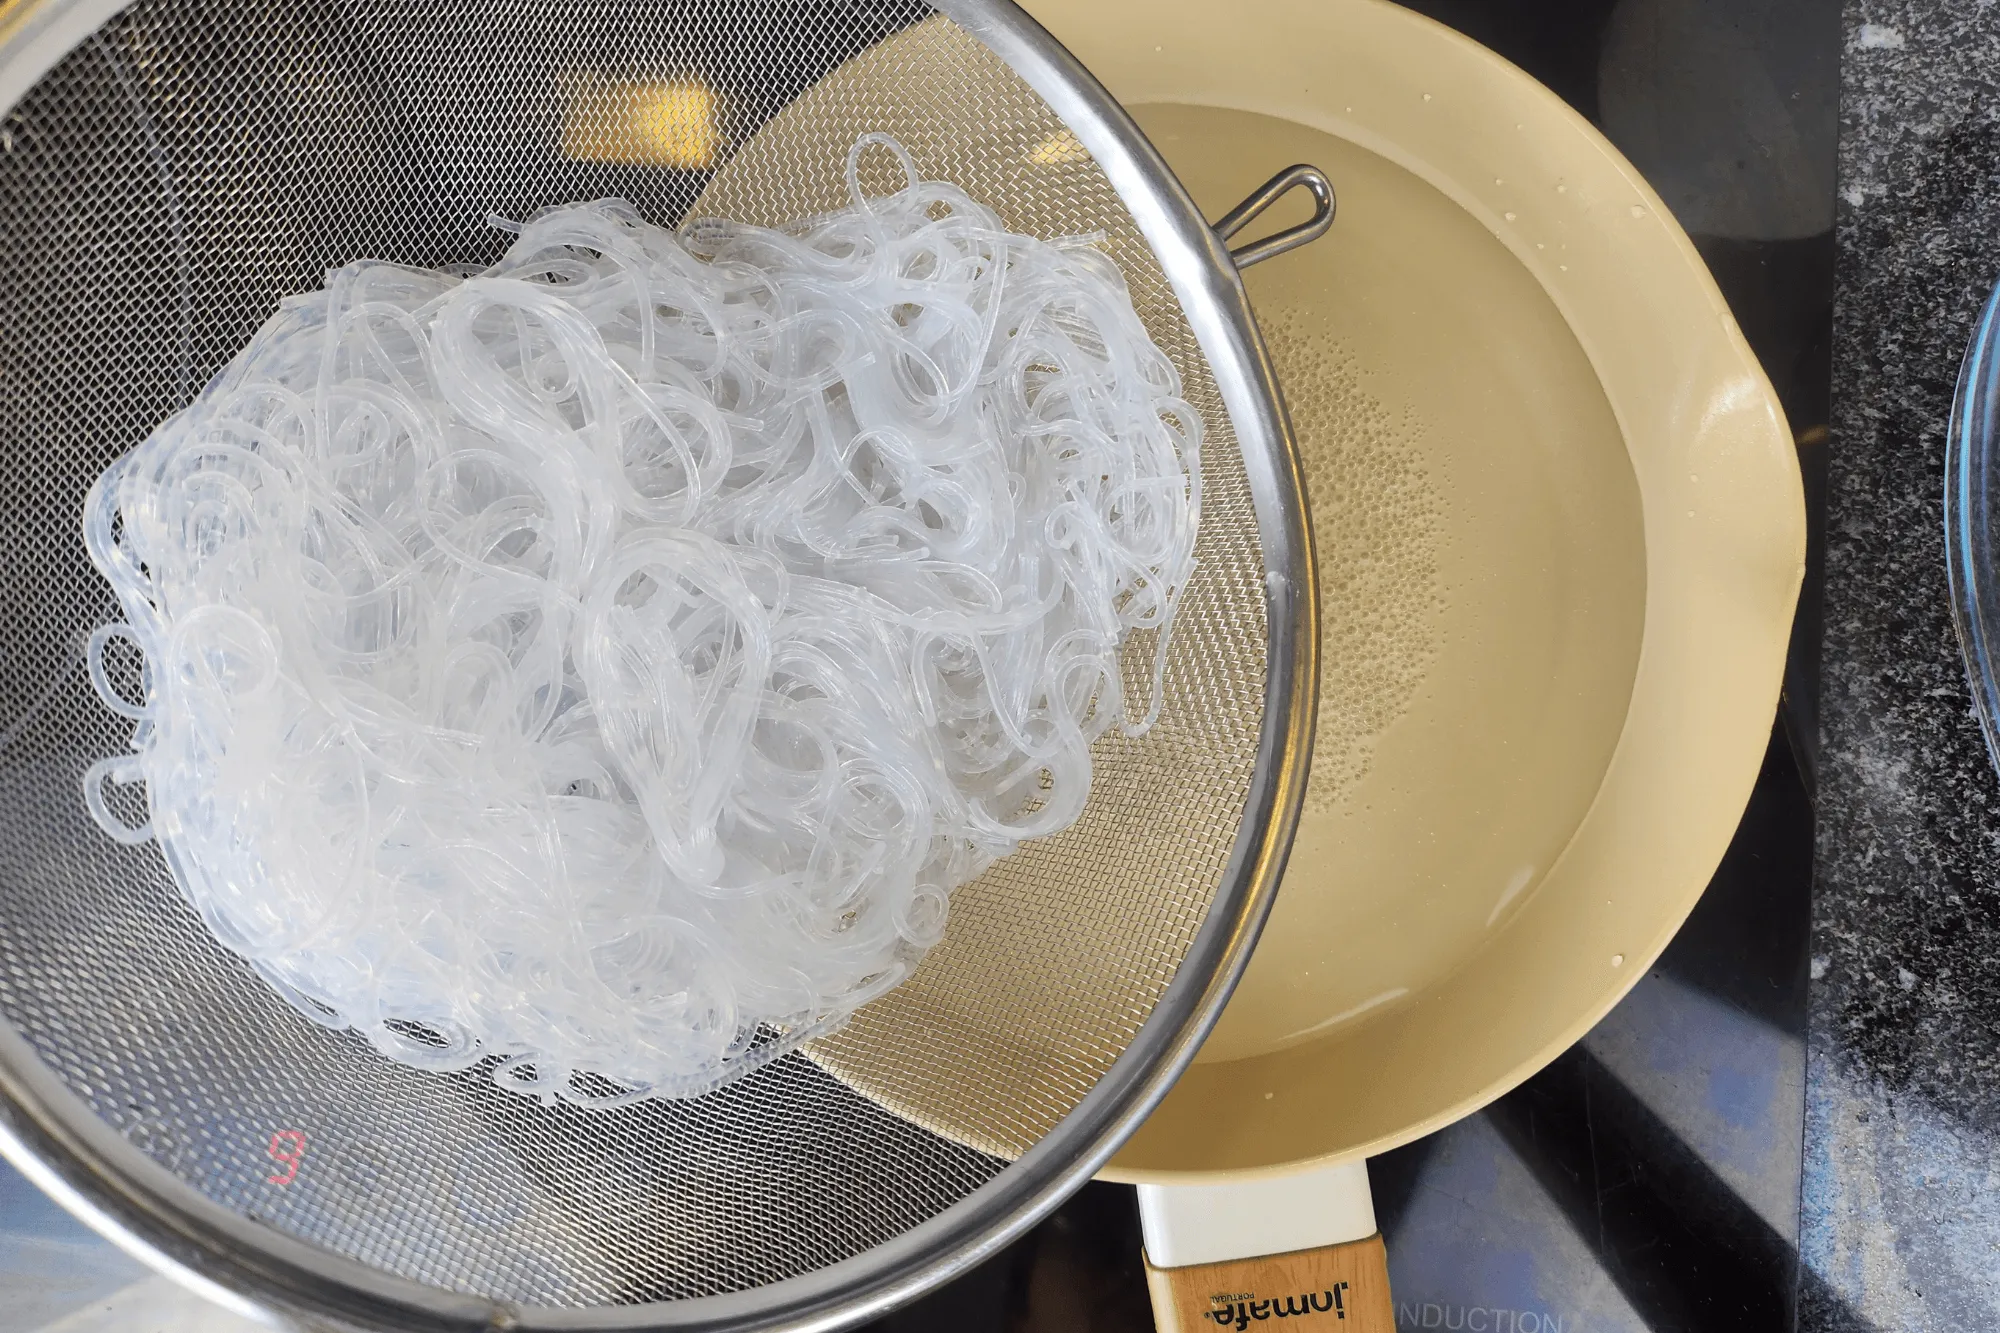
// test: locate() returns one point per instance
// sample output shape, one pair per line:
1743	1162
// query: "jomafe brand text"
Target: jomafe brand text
1239	1309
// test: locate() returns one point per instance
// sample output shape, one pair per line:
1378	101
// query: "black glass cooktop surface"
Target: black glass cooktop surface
1648	1179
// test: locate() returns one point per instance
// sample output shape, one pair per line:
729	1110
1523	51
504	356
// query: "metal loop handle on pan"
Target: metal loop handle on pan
1296	177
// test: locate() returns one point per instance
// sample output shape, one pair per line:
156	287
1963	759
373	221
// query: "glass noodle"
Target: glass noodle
607	665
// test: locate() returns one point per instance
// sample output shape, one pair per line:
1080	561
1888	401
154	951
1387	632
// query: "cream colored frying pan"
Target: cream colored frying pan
1561	534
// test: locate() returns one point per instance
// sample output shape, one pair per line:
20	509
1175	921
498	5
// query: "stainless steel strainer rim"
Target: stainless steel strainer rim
49	1132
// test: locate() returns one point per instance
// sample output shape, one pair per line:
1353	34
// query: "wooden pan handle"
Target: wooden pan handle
1343	1287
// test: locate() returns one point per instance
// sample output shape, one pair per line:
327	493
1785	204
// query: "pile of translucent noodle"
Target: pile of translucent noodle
608	665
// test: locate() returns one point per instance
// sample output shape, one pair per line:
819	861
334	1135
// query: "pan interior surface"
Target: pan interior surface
1565	535
1482	575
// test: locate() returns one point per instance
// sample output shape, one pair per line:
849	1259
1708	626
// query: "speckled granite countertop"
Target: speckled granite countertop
1901	1225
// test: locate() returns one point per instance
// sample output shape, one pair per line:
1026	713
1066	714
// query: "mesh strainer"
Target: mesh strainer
168	170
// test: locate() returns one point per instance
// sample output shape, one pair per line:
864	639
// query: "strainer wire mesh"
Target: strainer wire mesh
191	162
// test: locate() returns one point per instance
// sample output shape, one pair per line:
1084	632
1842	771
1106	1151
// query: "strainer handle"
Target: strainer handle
1291	238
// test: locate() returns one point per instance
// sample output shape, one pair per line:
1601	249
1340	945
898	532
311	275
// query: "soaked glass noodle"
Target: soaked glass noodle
606	666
